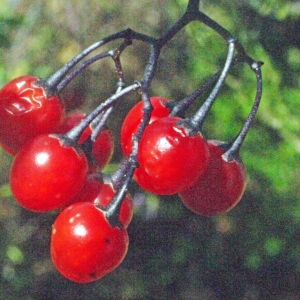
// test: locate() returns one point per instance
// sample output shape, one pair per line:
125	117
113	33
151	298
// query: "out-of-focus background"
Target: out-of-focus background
250	253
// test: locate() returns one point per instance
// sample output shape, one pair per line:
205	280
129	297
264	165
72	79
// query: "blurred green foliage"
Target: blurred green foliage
252	252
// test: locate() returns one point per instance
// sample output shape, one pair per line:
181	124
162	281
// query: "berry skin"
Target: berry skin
220	188
170	160
106	194
133	119
25	112
91	189
47	173
102	148
84	247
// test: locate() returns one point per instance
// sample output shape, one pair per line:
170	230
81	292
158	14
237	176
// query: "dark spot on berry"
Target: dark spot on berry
93	275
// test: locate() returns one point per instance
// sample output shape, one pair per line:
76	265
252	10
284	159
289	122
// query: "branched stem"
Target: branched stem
122	177
53	81
193	6
124	174
50	84
114	54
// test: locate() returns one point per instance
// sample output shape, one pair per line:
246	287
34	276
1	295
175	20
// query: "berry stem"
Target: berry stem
193	5
193	13
181	107
117	60
225	34
114	54
98	125
235	146
124	175
195	123
51	83
117	177
68	78
76	132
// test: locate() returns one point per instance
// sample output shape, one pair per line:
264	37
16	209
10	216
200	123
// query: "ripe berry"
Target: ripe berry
106	194
26	111
133	119
84	246
99	193
47	173
102	148
91	189
170	160
220	188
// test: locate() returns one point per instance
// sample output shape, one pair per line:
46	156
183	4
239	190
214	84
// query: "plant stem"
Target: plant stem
235	146
194	124
75	133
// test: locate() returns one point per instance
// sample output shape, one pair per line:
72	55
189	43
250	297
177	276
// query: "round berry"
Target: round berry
220	188
84	247
106	194
102	148
170	160
133	119
47	173
91	189
26	111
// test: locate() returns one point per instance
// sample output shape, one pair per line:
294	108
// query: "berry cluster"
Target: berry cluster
59	158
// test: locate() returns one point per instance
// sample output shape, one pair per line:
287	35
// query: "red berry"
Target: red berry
91	189
47	173
84	247
133	119
220	188
105	196
103	147
25	112
170	160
